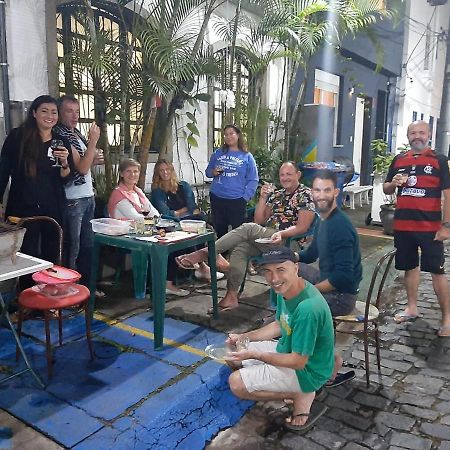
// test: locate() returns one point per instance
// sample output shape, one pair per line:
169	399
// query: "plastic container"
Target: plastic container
57	290
112	227
193	226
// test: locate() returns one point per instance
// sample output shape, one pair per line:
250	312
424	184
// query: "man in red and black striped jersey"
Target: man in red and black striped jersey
421	176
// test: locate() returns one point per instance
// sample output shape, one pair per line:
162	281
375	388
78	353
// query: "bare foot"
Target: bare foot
338	362
222	264
204	270
230	300
302	405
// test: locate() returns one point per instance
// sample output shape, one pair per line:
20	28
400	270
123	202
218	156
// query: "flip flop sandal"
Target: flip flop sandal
302	429
444	331
403	317
184	263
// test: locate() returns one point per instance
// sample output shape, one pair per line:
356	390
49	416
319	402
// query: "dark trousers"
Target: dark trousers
42	241
226	212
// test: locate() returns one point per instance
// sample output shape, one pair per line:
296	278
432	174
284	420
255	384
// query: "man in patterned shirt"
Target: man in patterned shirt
279	214
421	177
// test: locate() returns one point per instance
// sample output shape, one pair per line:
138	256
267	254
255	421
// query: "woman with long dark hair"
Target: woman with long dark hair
235	179
38	173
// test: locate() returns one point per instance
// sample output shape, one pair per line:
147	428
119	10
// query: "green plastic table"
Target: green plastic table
157	253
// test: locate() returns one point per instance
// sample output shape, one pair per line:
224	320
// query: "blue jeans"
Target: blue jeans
340	303
79	235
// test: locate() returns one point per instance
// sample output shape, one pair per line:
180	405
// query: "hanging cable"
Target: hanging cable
421	37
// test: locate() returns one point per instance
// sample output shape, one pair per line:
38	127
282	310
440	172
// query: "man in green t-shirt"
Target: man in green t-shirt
302	360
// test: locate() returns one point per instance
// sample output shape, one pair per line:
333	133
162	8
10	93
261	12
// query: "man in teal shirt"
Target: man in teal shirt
301	362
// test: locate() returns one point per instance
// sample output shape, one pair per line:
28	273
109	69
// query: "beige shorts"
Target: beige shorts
259	376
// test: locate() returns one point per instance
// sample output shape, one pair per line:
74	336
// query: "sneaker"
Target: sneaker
341	378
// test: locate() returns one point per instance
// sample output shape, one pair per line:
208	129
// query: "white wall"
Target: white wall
420	90
26	47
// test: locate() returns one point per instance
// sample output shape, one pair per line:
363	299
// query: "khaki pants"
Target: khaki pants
241	243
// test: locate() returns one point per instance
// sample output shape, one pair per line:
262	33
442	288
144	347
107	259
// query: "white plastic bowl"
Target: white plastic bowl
193	226
10	243
112	227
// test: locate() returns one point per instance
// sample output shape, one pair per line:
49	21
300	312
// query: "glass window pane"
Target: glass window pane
60	49
86	106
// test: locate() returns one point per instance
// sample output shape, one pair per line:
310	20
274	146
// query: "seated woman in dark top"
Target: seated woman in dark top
37	183
175	199
171	197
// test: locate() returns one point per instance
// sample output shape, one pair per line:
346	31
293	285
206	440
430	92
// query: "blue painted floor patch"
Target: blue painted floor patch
129	396
62	422
191	334
6	435
173	355
73	328
105	388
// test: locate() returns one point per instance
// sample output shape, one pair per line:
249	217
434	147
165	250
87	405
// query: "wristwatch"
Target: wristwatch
446	224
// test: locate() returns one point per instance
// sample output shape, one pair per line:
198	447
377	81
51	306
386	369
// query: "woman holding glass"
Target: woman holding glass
38	162
235	179
128	201
175	199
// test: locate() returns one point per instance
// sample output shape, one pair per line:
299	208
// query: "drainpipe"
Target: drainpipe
4	67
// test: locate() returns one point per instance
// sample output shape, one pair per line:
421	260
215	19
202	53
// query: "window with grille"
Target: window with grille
113	92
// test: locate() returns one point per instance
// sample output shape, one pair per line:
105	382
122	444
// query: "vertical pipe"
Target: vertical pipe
4	67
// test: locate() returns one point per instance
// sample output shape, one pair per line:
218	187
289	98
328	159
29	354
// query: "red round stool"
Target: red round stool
34	300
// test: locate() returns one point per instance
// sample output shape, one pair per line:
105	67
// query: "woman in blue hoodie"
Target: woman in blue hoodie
235	179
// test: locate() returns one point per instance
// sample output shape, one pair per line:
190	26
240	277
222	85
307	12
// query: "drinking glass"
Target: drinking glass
221	170
242	343
54	145
270	186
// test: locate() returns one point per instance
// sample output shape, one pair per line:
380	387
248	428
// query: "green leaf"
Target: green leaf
192	141
193	129
191	117
203	97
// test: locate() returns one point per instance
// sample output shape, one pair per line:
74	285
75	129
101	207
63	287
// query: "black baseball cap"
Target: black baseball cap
278	255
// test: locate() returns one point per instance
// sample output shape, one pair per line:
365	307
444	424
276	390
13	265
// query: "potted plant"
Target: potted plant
383	206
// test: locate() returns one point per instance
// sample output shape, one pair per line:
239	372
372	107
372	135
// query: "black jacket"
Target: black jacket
42	195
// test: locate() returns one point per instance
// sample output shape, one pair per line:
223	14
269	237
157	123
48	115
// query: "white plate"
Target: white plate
146	238
219	352
263	241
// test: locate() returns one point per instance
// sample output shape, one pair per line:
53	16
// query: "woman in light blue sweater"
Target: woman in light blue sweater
235	179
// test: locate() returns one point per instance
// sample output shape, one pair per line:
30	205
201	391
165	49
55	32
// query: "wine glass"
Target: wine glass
221	170
54	145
